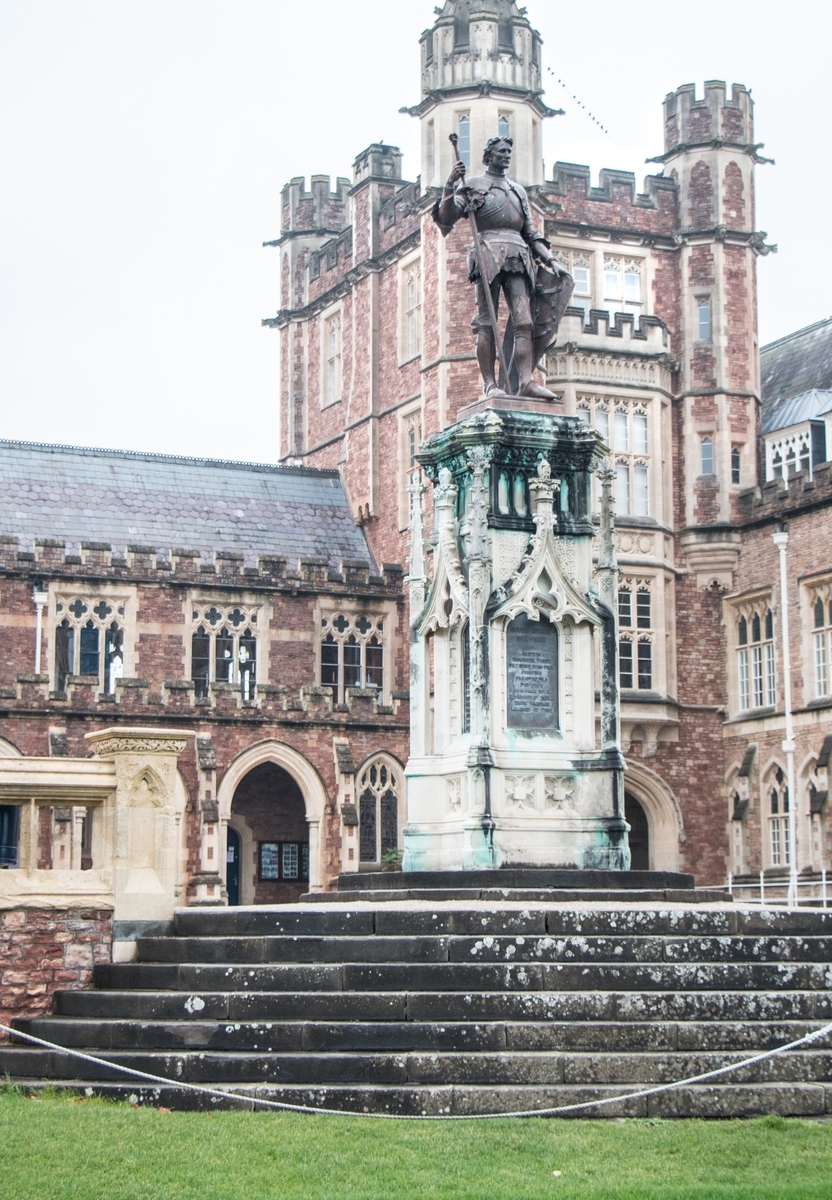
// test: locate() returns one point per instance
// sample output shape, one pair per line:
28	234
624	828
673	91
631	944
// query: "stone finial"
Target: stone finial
544	470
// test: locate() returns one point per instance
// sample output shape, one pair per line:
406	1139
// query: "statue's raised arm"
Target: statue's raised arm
505	258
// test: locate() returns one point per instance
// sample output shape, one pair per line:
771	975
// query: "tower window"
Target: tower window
464	147
332	359
462	31
505	34
622	285
635	655
707	453
703	310
736	473
412	323
503	126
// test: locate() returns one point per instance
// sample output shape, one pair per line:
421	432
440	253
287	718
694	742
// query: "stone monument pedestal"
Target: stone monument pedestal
512	636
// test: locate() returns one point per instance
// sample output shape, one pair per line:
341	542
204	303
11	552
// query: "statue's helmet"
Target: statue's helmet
492	144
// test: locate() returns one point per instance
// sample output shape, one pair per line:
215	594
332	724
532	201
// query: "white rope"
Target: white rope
338	1112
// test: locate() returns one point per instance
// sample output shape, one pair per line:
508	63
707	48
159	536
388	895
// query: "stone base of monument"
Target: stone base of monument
517	883
462	1007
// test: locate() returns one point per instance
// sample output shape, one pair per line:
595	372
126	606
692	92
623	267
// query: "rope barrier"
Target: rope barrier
285	1106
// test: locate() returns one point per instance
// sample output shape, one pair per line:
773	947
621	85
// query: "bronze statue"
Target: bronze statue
511	255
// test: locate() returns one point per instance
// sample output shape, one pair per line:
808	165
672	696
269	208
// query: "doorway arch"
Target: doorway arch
313	797
639	836
665	827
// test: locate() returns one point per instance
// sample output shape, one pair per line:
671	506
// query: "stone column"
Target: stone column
144	843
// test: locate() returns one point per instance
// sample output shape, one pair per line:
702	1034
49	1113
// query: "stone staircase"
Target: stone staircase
458	1007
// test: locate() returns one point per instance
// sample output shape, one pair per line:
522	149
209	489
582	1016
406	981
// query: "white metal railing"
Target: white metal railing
811	891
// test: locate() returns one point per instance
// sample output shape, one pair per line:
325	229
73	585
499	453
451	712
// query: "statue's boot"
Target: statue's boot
528	389
493	392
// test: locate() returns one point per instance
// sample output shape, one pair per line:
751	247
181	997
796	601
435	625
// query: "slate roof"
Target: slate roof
796	376
118	497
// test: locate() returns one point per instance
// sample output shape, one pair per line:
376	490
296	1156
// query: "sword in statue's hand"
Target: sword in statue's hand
492	312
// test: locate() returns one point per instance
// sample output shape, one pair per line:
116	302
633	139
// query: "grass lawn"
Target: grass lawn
56	1148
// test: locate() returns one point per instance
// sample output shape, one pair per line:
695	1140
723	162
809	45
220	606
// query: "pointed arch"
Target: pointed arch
664	816
311	785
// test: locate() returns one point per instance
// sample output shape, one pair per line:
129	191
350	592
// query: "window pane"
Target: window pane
819	614
247	658
640	433
632	287
602	424
743	631
707	456
642	492
769	693
304	860
643	608
622	487
200	661
820	664
742	663
329	661
622	431
583	415
612	286
625	607
352	663
9	835
736	474
224	657
755	628
769	626
389	822
704	317
502	126
290	863
367	827
64	653
465	140
581	277
89	649
775	842
645	665
375	664
113	658
625	664
757	676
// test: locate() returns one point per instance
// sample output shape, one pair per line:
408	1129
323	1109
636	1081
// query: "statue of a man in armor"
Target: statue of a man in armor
517	260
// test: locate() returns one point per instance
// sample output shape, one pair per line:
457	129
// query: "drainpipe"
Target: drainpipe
781	541
40	598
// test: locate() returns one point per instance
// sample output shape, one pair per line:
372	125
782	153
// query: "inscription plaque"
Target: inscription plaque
532	674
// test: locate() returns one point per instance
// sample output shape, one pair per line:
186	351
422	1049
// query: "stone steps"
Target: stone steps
460	1008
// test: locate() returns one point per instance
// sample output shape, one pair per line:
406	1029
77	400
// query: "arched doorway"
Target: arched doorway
636	818
268	816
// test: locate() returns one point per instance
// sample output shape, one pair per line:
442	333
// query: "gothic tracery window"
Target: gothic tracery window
776	798
622	284
332	359
89	640
378	810
224	647
352	652
636	634
822	640
412	314
755	658
624	426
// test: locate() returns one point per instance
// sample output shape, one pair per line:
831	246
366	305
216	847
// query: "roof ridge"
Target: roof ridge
158	456
787	337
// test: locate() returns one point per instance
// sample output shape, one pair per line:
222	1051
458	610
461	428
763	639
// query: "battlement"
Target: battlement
320	210
51	558
715	117
378	162
778	499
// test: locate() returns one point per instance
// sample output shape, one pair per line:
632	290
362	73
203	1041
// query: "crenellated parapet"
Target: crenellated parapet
715	117
320	210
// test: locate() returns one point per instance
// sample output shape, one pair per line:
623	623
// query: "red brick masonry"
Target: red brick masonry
42	950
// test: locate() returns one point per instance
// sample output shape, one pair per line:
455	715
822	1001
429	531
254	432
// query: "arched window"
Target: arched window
89	640
113	657
736	465
378	810
707	456
755	661
464	133
822	645
778	820
352	652
224	648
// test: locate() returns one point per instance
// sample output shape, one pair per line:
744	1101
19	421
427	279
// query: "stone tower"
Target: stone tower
481	75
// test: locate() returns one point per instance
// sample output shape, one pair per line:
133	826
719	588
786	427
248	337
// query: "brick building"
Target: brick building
203	678
659	354
164	736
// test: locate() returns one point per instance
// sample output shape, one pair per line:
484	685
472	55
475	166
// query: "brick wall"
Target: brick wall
43	951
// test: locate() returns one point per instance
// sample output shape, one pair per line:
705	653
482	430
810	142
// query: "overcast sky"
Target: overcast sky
144	144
